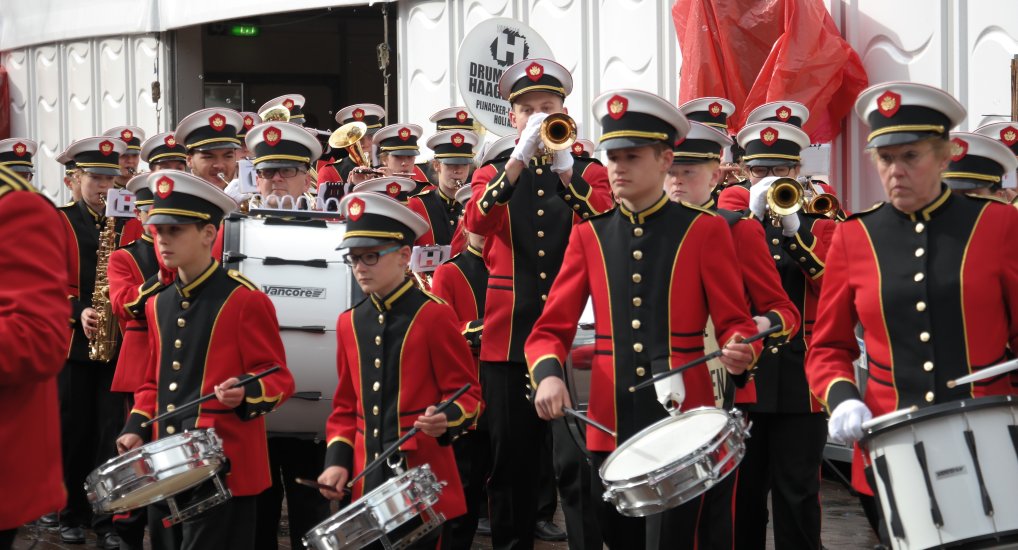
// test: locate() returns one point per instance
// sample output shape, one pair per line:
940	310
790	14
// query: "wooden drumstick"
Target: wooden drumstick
988	372
584	418
204	398
316	485
889	416
374	464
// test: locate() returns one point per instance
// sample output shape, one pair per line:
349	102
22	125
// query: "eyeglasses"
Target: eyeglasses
286	172
764	171
369	258
909	158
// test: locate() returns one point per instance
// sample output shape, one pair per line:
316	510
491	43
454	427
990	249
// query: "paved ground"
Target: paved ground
844	526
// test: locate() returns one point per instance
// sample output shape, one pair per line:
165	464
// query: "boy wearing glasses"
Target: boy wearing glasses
789	427
400	353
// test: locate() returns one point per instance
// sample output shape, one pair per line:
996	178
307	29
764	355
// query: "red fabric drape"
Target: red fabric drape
5	105
756	51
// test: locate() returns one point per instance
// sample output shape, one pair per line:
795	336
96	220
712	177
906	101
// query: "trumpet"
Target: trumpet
380	173
824	204
348	136
458	183
784	197
558	132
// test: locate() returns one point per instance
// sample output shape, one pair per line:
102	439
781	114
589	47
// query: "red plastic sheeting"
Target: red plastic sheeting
755	51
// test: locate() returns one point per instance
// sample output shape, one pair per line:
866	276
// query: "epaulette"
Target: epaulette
871	209
993	198
240	278
432	297
698	208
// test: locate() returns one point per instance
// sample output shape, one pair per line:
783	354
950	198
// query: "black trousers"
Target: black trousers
674	529
516	437
579	487
130	525
783	458
547	496
7	538
290	458
473	460
228	526
91	417
716	528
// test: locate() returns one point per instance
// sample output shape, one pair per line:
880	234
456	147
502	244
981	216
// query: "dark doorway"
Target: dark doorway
328	56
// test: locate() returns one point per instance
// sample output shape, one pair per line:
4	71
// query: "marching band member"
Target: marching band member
714	112
383	390
372	116
294	103
33	339
694	171
397	189
584	149
736	197
925	274
462	283
135	275
132	136
1006	133
245	180
282	156
450	118
454	154
648	248
163	152
89	411
208	330
16	154
525	207
210	136
70	182
396	149
978	164
789	428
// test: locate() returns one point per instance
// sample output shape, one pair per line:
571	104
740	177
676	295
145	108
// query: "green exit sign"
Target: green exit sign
245	30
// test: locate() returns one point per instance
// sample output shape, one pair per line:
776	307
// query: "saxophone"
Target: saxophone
104	342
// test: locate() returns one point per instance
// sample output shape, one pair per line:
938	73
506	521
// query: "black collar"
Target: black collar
385	303
474	251
647	213
195	286
931	210
710	204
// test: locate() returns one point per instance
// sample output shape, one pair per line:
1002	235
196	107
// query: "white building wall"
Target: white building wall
76	89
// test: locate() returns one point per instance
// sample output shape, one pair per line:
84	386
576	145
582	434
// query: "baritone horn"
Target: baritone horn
784	197
276	113
348	136
558	132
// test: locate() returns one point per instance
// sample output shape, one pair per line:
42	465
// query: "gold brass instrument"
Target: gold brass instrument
824	204
103	343
784	197
276	113
222	178
558	132
348	136
376	173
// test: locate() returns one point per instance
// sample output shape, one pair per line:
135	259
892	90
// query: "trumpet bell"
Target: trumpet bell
784	197
276	113
824	204
348	136
558	132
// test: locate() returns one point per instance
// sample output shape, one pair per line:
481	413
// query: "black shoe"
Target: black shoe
49	522
548	531
72	535
484	527
108	541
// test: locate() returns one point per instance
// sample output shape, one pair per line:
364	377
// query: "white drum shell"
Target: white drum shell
304	296
155	471
379	512
952	474
711	457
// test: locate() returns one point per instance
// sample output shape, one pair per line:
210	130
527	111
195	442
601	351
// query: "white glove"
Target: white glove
671	392
530	138
563	161
845	425
758	196
790	224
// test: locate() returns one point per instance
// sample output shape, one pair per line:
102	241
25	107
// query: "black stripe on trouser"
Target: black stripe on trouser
970	440
920	454
880	465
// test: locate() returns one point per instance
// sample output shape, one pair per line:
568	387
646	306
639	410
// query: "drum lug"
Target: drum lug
176	516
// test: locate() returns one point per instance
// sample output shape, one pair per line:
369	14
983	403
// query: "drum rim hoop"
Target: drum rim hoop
937	411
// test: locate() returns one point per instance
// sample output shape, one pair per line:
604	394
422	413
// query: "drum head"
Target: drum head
666	442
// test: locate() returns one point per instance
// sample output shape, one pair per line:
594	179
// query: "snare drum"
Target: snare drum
947	475
674	460
157	471
379	513
295	262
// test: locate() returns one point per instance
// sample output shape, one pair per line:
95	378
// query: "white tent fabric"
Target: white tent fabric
30	22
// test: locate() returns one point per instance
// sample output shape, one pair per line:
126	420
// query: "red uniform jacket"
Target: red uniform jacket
443	216
735	197
33	344
527	227
82	227
936	293
779	381
462	282
397	356
130	268
216	327
653	276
